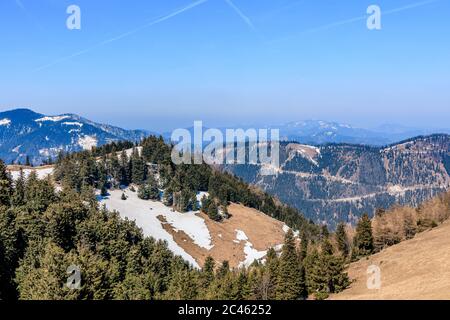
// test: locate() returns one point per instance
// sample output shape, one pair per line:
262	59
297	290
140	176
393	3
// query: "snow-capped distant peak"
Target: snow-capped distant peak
5	122
54	118
41	136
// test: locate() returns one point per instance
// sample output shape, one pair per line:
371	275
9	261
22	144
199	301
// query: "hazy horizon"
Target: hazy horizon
242	124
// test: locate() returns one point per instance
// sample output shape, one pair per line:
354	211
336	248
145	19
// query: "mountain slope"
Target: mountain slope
244	237
414	269
24	132
339	182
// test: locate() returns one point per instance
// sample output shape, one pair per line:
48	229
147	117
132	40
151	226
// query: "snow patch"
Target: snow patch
200	196
41	173
54	119
240	235
251	254
5	122
286	228
87	142
145	213
16	149
73	124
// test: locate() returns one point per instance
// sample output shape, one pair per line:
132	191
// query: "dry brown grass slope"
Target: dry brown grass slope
414	269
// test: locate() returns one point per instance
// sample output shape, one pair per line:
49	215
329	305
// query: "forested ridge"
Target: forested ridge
43	231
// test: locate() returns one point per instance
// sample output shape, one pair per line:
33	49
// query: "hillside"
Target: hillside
244	237
241	239
414	269
339	182
24	132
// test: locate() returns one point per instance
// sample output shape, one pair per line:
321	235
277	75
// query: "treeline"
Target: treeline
43	233
149	166
389	227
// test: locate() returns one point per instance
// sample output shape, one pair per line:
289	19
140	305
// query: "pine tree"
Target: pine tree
5	185
241	288
223	270
303	247
103	190
148	191
18	198
213	211
124	168
168	197
42	274
363	238
290	285
207	272
342	240
138	168
269	277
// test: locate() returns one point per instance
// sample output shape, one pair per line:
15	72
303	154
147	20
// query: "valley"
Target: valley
339	182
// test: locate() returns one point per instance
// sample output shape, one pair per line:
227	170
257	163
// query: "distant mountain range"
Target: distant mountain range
317	132
322	132
331	172
24	132
339	182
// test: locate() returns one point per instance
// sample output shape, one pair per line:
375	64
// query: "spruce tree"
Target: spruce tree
138	167
5	185
124	169
168	197
18	198
342	240
269	280
208	272
148	191
364	238
213	211
290	285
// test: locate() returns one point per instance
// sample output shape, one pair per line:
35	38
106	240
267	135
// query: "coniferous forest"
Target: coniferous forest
44	230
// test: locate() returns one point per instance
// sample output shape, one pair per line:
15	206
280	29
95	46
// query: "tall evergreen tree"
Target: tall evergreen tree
138	168
124	168
363	241
342	240
18	198
290	285
5	185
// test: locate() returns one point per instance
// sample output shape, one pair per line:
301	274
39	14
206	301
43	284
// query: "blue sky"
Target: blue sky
251	62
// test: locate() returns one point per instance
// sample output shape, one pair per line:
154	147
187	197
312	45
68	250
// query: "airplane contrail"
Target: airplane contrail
351	20
28	14
123	35
20	4
242	15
